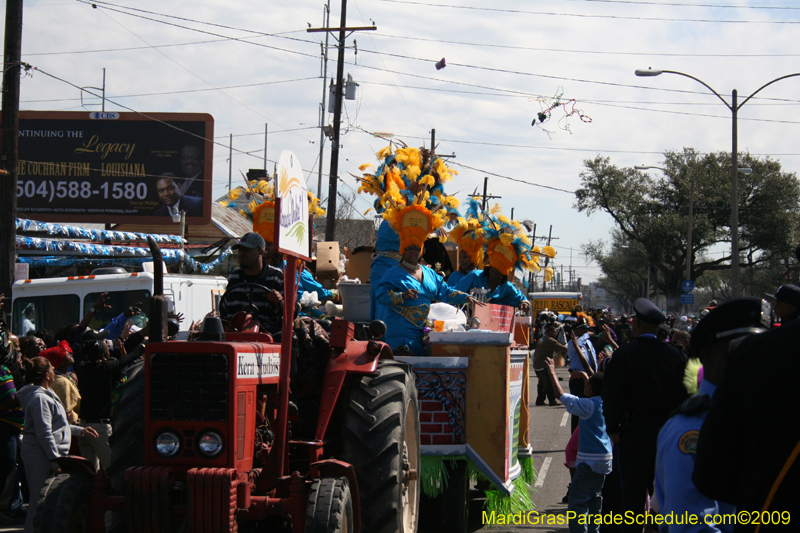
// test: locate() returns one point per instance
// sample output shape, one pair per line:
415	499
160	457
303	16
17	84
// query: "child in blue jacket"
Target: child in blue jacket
593	462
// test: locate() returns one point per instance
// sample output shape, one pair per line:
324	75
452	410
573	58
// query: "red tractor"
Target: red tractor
206	439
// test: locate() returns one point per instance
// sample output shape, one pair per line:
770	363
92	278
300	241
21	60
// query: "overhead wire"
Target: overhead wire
587	15
676	4
569	51
406	57
184	91
400	94
188	70
120	9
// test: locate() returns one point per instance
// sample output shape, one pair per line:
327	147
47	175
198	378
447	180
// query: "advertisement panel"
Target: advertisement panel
292	228
95	167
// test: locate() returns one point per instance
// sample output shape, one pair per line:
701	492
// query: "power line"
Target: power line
583	15
532	74
570	51
510	178
190	71
185	91
119	9
672	4
206	32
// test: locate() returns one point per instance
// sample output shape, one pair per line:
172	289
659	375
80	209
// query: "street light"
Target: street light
734	108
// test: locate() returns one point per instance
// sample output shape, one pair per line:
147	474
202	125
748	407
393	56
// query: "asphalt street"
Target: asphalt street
550	431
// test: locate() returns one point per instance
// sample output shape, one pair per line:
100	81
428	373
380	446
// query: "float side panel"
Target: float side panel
488	406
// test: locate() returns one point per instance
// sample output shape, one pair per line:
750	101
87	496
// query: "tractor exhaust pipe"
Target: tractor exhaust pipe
158	304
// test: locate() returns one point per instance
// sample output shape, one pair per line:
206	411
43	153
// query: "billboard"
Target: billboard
108	167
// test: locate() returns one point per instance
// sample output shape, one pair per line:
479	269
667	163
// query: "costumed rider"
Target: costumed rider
396	176
468	235
408	288
712	339
508	248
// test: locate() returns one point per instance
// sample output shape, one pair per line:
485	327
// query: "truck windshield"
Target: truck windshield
45	312
119	302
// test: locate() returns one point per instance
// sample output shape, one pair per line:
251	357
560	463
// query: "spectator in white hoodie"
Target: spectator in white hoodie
47	433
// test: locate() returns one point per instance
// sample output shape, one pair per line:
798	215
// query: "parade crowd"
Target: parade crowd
678	426
57	389
670	416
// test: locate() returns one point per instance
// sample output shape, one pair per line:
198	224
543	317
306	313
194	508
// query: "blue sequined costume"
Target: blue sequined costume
405	319
504	294
387	256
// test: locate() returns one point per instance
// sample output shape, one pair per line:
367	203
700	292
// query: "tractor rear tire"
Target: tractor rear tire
127	437
380	438
63	505
330	506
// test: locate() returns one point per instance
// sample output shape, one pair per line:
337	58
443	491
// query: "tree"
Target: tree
651	214
624	269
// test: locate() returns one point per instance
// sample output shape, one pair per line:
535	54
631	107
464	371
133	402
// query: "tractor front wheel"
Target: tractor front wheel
63	505
330	506
380	438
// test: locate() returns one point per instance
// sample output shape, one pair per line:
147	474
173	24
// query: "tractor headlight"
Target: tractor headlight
210	444
168	443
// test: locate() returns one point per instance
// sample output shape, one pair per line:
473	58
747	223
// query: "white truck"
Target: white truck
57	302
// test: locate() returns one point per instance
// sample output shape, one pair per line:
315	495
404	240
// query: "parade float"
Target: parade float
473	380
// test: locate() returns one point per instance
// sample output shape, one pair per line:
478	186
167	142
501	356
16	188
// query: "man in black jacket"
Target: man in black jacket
747	451
98	375
254	269
643	384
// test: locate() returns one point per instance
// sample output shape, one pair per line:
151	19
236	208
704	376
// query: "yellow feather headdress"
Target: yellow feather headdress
409	191
468	235
507	244
256	201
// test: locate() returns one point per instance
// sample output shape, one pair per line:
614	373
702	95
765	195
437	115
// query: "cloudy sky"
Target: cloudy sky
251	63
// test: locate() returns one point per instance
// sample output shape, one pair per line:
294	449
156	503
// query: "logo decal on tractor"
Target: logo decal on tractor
258	365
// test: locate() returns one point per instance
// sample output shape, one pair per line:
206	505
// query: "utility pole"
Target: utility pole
547	259
9	143
433	140
230	163
326	21
531	282
333	177
266	134
485	196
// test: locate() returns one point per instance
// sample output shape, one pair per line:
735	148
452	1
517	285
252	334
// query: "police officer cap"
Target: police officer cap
787	293
742	316
649	312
